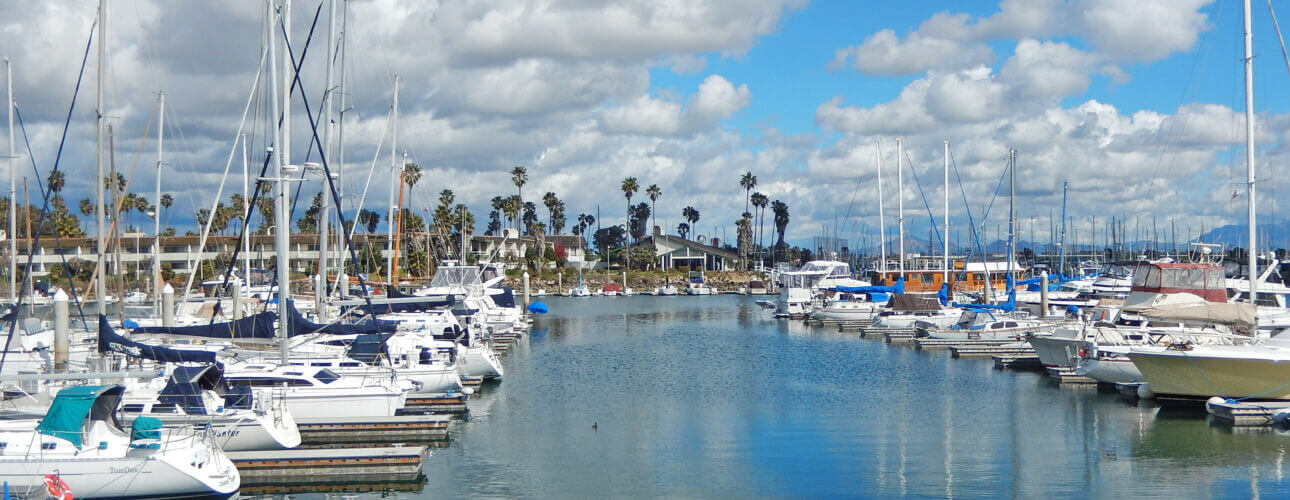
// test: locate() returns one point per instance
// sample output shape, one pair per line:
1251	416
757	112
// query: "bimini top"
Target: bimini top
1204	280
75	407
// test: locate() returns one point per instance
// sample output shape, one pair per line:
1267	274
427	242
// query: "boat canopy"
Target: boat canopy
110	341
1009	306
75	407
913	303
259	326
186	384
369	347
456	276
1204	280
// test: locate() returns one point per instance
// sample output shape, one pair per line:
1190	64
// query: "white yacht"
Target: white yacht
315	392
79	443
698	284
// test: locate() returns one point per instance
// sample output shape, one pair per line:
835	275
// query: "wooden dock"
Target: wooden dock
931	344
1066	375
340	465
1015	362
981	351
1243	414
396	429
449	403
879	331
898	337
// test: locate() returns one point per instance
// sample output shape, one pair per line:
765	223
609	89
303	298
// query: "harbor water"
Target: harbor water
711	397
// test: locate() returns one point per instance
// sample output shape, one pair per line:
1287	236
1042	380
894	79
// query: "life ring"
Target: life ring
56	488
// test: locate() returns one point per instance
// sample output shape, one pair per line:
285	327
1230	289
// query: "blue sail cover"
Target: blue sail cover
110	341
899	287
301	326
259	326
944	295
429	302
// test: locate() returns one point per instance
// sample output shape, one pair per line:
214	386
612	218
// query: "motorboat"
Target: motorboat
313	392
698	284
80	446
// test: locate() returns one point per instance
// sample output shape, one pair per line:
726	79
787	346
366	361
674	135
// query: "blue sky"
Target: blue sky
1137	104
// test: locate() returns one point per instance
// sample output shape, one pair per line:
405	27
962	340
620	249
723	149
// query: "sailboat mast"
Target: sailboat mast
156	211
283	209
99	209
945	238
340	145
324	213
900	203
882	228
1252	251
1061	262
13	193
394	163
1012	208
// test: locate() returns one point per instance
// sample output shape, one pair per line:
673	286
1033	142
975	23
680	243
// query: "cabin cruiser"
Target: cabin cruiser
79	445
698	284
982	324
907	310
1114	280
441	332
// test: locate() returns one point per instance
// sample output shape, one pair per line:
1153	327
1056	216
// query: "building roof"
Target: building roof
677	240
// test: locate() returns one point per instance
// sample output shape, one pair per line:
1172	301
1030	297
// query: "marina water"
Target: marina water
710	397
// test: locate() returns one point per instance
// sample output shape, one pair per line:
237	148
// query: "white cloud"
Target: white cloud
716	100
883	54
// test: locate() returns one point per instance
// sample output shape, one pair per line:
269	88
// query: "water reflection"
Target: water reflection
709	396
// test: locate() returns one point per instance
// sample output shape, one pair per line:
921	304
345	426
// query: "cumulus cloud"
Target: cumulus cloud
716	99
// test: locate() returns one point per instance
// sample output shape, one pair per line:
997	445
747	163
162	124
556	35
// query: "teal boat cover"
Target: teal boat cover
145	428
74	407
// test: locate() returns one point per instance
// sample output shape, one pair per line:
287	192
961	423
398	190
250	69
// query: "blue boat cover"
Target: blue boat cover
944	295
259	326
504	299
110	341
538	308
74	407
186	384
369	347
430	302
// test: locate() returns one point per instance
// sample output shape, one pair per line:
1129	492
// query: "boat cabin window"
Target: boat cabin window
349	364
163	408
267	382
132	408
998	324
1010	324
326	376
320	364
296	374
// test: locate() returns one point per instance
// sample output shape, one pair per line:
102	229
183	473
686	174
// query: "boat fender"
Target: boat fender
1281	417
1145	392
1212	402
57	488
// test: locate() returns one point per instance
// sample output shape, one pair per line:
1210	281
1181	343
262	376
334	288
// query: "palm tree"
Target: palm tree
519	176
683	229
654	193
759	201
692	216
781	221
629	188
57	180
747	181
551	201
87	207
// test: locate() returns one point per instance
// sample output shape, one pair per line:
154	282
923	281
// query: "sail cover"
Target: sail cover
110	341
300	326
259	326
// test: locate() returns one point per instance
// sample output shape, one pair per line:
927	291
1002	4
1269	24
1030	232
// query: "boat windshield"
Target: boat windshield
451	276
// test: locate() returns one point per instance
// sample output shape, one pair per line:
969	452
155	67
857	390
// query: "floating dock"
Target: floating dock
341	465
396	429
1066	375
930	344
1015	362
450	403
880	331
898	337
1243	414
980	351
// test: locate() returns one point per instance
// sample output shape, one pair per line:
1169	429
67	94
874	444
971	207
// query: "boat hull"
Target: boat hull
1180	373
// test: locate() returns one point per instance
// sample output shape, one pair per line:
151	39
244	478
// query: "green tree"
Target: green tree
691	215
520	177
654	193
780	209
629	187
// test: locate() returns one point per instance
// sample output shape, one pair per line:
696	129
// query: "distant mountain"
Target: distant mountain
1276	235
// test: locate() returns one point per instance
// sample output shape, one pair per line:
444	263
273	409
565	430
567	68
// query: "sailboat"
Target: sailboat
80	443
